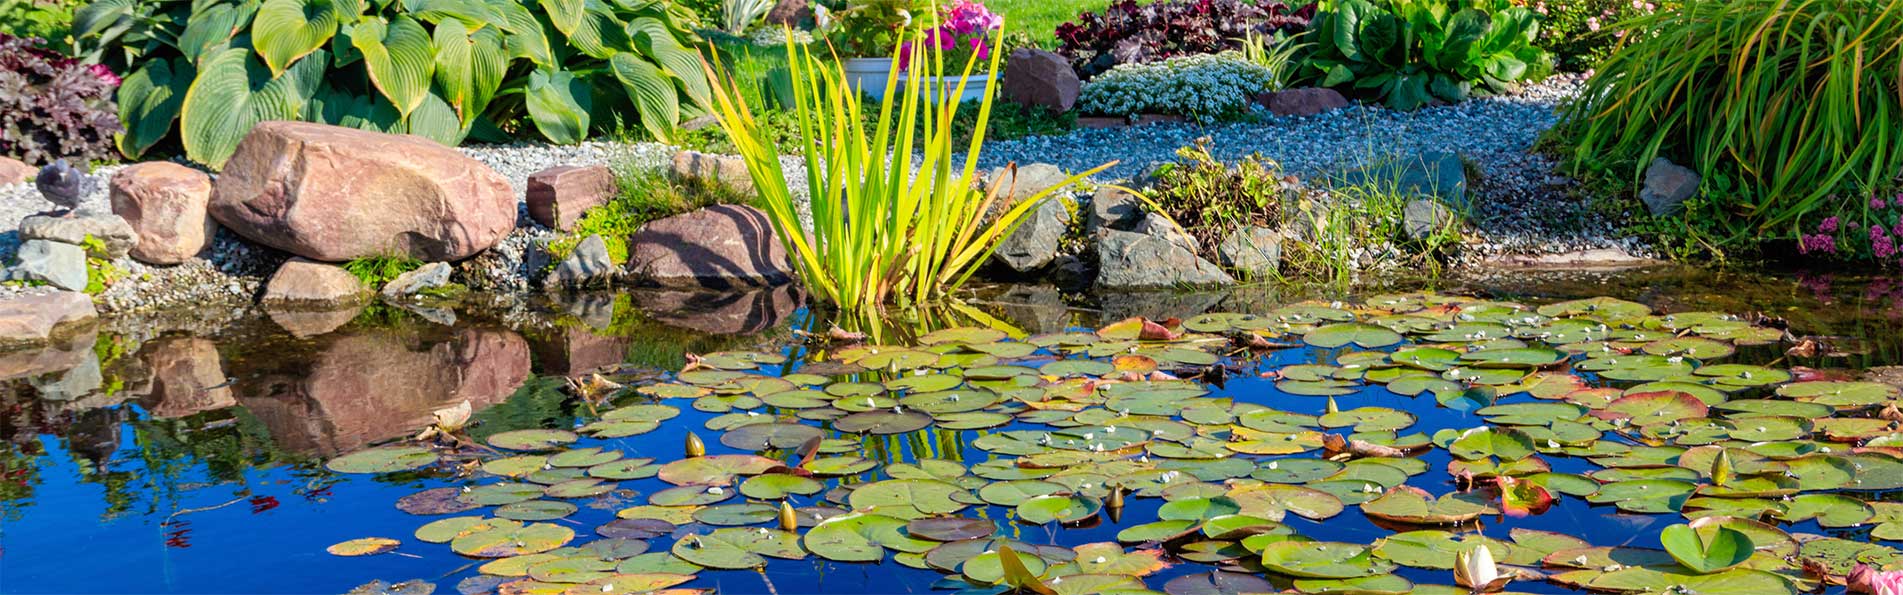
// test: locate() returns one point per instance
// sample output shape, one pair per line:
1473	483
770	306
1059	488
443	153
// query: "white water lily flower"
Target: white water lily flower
1474	569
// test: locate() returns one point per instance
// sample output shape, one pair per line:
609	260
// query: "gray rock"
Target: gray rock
1303	102
32	318
55	263
1667	186
1253	250
72	384
1436	174
1134	260
112	230
430	276
1034	243
1035	77
1113	208
1030	180
588	266
1160	227
1424	217
727	170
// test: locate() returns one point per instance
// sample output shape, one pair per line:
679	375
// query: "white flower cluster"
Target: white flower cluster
1201	86
772	35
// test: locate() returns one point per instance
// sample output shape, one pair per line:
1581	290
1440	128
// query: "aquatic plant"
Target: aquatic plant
1595	401
1787	109
894	218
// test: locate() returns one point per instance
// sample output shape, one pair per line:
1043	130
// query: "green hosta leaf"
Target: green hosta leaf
286	30
209	32
400	57
558	104
469	67
653	93
566	15
149	102
233	93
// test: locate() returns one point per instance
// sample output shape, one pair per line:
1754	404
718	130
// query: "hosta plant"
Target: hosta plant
206	71
1408	53
1791	112
1127	32
894	216
53	107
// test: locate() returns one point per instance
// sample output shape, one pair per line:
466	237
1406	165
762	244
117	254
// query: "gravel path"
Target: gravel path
1520	208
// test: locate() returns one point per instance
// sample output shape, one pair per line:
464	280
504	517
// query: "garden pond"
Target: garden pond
1202	444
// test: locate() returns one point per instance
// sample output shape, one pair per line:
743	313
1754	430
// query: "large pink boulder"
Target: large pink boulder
14	171
165	204
333	194
718	247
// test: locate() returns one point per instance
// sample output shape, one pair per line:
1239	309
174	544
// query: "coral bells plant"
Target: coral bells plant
964	31
52	106
1127	32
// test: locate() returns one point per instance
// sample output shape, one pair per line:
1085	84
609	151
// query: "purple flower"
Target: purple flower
1877	203
1829	225
1822	242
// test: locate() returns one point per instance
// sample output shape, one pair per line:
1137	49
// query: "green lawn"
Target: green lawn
1040	18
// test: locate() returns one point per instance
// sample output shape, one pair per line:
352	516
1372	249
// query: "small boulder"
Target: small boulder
1424	217
1667	186
588	266
111	230
1431	174
1253	250
789	13
304	282
1114	208
1307	101
165	205
1134	260
718	247
331	193
1035	77
1162	228
558	196
727	170
434	275
1034	243
1028	181
14	171
33	318
57	264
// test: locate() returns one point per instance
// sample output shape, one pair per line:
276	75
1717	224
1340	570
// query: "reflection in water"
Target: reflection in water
184	453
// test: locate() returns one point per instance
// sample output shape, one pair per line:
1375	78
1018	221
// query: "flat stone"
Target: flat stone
1160	227
1306	101
1667	186
1254	251
308	283
57	264
434	275
558	196
1432	174
1035	242
1113	208
111	230
165	204
1134	260
34	318
331	194
14	171
588	266
726	170
718	247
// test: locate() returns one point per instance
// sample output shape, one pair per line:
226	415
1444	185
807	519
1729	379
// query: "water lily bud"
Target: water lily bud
1332	407
695	447
787	520
1116	498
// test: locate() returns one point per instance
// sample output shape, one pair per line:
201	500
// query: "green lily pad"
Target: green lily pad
383	460
736	548
1322	559
1367	336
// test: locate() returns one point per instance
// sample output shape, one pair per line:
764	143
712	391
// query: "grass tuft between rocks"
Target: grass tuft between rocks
642	194
374	271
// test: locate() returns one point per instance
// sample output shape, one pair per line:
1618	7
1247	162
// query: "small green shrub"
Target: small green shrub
374	271
1790	111
1408	53
1210	199
1580	33
51	20
101	273
1204	87
642	195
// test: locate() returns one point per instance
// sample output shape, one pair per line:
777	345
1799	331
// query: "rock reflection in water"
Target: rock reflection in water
734	313
358	387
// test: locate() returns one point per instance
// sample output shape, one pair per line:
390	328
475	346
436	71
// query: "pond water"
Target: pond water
183	463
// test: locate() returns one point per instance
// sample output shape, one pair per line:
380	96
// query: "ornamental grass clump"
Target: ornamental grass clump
1791	110
1203	87
894	215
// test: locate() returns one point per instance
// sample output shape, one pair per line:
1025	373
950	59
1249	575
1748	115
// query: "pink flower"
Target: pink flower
1877	202
1592	23
1868	580
104	74
1822	242
1829	225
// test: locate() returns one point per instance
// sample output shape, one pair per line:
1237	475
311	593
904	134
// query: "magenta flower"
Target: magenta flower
104	74
1877	203
1822	242
966	26
1829	225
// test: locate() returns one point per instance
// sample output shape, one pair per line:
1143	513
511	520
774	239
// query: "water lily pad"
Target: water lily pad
769	435
383	460
1322	559
715	470
950	528
1063	509
532	440
536	510
1367	336
1411	505
882	422
860	537
502	542
735	548
363	546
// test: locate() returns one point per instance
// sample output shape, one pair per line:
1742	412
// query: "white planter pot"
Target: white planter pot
869	76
